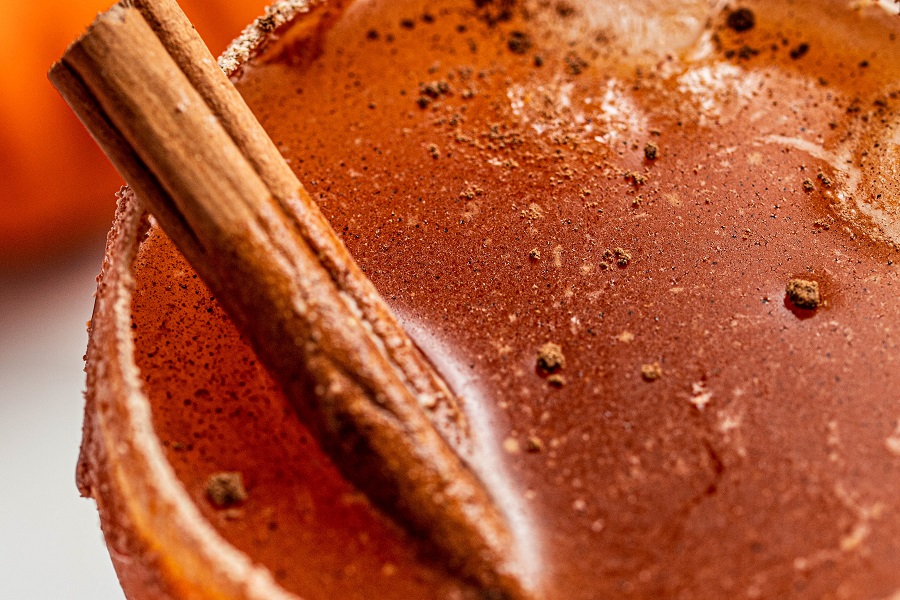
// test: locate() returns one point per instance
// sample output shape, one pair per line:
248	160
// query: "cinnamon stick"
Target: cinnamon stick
147	88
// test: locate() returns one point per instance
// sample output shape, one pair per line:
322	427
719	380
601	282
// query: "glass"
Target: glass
645	186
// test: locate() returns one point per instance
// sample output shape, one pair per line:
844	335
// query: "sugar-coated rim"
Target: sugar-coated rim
258	34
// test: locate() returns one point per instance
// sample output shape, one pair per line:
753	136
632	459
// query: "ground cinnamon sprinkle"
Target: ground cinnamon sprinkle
740	20
804	293
550	358
226	489
651	372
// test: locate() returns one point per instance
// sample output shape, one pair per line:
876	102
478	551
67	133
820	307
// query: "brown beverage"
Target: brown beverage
651	247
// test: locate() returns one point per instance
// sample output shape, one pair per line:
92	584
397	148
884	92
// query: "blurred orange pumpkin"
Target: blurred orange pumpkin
56	187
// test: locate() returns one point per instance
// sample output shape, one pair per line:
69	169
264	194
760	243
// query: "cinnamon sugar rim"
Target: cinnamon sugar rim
263	31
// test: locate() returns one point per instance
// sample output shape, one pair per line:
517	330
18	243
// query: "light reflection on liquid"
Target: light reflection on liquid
482	450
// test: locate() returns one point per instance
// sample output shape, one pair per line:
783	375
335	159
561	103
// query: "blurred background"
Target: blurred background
56	203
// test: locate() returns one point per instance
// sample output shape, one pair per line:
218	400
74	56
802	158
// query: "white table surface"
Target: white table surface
51	547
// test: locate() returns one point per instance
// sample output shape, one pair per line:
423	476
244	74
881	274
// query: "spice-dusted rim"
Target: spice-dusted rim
260	33
160	543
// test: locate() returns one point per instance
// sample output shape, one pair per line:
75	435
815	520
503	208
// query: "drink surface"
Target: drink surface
638	186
